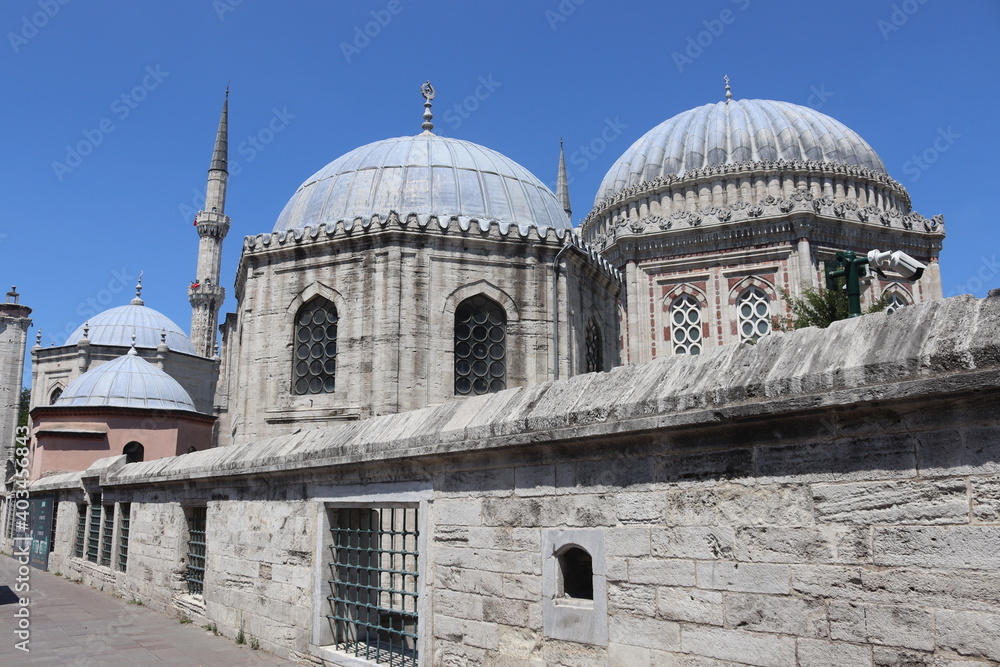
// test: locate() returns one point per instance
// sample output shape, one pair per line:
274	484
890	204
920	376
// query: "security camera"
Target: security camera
897	261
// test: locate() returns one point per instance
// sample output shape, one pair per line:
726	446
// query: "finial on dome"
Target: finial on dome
137	301
38	338
86	329
729	93
132	350
12	294
427	90
163	336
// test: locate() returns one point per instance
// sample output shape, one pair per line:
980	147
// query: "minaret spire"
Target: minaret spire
562	183
205	294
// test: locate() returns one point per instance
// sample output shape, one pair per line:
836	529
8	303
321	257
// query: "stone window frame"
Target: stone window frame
54	393
320	303
280	393
574	619
897	292
442	383
419	495
736	294
594	323
666	301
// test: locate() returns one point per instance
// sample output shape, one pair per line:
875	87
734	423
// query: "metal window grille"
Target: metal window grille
685	325
480	347
55	518
315	363
94	535
373	589
123	525
10	516
754	314
81	529
196	551
595	356
106	534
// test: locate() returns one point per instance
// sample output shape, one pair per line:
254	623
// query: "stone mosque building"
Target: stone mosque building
521	439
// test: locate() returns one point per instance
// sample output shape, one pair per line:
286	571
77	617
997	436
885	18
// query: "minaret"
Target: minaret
562	184
14	324
205	293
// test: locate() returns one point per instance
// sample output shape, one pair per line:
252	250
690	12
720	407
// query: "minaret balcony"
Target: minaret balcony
201	293
211	223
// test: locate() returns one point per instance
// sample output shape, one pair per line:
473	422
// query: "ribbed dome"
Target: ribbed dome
737	131
116	326
126	382
427	175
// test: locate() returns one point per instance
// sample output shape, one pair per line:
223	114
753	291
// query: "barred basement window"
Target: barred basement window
9	527
55	519
592	339
754	310
94	535
685	325
196	550
107	533
123	524
373	589
894	303
315	360
480	346
81	529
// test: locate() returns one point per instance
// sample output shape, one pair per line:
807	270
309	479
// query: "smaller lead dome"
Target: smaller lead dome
737	131
126	382
117	325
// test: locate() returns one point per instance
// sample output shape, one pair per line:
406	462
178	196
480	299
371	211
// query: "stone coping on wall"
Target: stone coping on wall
940	347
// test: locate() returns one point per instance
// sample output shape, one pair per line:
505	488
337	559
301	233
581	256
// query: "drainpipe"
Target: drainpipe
555	307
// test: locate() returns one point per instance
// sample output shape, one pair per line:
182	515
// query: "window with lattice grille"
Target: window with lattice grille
685	325
81	529
196	550
124	521
480	347
373	583
594	347
894	303
754	312
314	363
94	534
107	533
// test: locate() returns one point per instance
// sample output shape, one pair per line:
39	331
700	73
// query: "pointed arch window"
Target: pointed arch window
685	325
754	313
594	347
54	396
895	302
314	362
480	347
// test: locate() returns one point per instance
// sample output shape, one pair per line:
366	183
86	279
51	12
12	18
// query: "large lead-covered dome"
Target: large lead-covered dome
426	175
116	326
737	131
126	382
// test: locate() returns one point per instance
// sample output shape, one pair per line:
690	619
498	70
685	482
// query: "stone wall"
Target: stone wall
820	498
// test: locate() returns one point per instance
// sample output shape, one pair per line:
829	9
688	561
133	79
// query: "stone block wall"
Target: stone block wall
821	498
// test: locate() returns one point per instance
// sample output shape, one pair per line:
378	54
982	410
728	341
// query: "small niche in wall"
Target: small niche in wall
576	573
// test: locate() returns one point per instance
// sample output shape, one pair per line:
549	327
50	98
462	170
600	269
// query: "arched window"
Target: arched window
315	359
480	346
895	302
754	312
576	570
54	396
133	452
594	346
685	325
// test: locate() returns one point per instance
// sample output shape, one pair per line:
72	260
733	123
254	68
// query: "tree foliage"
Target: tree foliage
818	307
22	411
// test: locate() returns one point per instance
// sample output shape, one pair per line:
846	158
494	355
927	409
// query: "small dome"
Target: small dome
116	326
427	175
737	131
126	382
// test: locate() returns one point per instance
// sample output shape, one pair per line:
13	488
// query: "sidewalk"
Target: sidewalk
72	624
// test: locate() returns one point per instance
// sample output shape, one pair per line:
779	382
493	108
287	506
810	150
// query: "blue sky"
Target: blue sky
137	86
